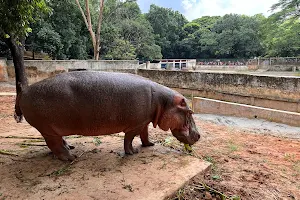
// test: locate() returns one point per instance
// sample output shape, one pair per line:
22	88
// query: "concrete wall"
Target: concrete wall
224	67
102	65
283	68
37	70
283	89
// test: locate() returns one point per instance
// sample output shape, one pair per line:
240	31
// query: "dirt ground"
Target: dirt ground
246	164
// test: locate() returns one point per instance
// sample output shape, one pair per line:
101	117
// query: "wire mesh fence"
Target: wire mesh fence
292	61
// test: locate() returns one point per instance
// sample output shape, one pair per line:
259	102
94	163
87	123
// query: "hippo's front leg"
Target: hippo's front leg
145	137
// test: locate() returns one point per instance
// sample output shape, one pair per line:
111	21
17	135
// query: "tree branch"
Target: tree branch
83	15
88	14
99	22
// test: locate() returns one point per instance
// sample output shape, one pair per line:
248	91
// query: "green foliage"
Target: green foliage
4	50
125	20
282	38
207	22
287	8
128	34
122	50
17	15
62	34
191	27
97	141
49	41
237	36
167	25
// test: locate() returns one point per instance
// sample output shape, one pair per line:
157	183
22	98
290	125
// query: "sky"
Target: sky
193	9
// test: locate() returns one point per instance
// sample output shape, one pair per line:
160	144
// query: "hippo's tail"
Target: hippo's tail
18	115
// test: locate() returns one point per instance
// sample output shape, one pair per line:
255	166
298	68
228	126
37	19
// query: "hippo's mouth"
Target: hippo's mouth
183	135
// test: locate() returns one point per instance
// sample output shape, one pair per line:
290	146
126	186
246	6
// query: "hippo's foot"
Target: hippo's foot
131	151
65	156
59	147
147	144
67	145
144	135
128	143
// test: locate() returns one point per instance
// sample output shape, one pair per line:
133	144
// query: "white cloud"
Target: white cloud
188	4
196	8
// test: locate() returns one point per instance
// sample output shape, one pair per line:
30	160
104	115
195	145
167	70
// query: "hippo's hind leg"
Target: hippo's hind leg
56	143
57	146
128	142
145	137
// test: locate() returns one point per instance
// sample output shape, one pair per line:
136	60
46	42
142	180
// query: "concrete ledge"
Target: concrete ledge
211	106
8	94
102	172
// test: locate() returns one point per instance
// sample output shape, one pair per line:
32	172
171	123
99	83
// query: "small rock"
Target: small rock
207	195
95	151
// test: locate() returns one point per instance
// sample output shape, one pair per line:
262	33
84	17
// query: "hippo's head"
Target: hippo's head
177	116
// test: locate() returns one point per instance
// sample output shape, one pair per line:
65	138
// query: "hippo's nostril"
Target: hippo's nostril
198	137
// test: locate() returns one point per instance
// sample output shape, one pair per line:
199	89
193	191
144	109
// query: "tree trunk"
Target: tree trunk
97	47
17	51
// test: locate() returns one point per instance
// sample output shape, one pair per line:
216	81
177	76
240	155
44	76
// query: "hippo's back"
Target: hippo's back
89	101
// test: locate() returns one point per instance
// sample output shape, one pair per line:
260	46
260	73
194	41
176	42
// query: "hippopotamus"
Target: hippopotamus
92	103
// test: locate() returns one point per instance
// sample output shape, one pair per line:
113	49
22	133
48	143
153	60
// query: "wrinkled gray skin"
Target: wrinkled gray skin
102	103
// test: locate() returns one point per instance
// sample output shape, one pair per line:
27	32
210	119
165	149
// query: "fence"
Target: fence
271	64
289	61
222	62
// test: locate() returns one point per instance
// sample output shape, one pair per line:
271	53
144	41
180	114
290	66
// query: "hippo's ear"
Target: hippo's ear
179	101
181	104
157	116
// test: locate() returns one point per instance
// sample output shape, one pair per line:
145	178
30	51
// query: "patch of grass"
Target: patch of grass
60	171
7	152
296	166
33	141
20	137
74	136
171	143
216	177
235	197
233	147
289	157
97	141
25	145
203	187
180	194
209	159
214	168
